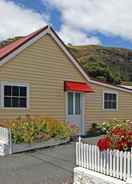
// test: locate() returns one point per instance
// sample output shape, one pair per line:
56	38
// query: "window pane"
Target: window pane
7	102
106	96
15	102
114	96
110	101
77	103
15	91
7	90
23	102
23	91
105	105
114	105
70	103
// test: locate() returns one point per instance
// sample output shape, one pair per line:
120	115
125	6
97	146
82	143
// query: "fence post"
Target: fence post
10	141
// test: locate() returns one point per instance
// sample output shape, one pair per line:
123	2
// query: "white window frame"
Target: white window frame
2	84
117	100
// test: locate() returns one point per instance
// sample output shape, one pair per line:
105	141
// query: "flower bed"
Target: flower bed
30	133
118	136
33	130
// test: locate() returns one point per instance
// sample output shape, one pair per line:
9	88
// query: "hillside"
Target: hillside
106	64
8	41
113	65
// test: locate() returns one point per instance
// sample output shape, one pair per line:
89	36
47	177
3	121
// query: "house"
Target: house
39	76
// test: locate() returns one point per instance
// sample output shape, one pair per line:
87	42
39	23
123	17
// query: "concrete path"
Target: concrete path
45	166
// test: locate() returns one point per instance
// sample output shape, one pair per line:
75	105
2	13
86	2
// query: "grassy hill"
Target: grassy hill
113	65
106	64
8	41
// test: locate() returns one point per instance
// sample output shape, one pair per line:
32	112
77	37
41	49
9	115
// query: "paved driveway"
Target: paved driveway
44	166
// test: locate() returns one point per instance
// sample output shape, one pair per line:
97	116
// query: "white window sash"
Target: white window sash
110	109
2	84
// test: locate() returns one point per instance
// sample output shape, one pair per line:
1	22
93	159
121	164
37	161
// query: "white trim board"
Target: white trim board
49	30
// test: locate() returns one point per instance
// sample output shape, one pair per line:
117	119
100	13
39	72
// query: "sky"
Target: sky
78	22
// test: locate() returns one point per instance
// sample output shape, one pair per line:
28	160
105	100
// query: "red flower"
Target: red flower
130	133
122	145
104	143
119	132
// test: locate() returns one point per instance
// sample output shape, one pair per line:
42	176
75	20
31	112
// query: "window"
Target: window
70	103
15	96
77	103
110	101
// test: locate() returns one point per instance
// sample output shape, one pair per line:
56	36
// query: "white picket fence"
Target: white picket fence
4	135
5	141
113	163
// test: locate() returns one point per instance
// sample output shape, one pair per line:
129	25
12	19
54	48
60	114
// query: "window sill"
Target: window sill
110	110
14	108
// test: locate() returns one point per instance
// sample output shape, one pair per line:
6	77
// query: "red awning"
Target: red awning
77	86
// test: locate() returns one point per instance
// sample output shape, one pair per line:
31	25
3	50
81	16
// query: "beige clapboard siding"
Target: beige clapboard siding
94	109
45	68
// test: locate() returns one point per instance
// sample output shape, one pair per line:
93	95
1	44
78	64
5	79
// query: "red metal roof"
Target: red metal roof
16	44
77	86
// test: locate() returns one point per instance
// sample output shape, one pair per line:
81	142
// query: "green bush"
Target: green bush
28	130
101	71
105	127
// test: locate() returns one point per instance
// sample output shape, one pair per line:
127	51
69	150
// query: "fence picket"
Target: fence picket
111	169
128	164
107	163
117	164
89	156
98	159
124	161
114	163
77	159
85	161
121	165
92	157
95	155
82	156
101	163
80	160
131	163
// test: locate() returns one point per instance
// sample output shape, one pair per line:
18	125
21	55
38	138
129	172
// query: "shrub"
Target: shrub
104	127
94	128
118	136
28	130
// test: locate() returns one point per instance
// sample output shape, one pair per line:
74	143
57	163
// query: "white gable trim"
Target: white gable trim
109	86
49	31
